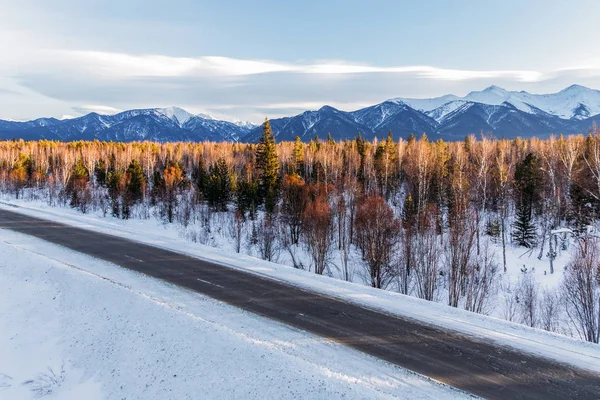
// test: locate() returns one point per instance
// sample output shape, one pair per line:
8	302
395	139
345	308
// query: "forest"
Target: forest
443	221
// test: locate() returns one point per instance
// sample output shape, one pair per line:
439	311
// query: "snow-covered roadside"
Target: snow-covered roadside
553	346
73	327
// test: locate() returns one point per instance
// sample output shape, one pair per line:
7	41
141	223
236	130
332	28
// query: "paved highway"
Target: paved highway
474	365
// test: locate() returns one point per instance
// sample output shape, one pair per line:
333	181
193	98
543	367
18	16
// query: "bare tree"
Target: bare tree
294	200
459	255
376	235
511	301
343	226
479	191
236	226
502	174
581	289
267	239
318	229
592	159
527	299
481	281
287	245
426	260
549	311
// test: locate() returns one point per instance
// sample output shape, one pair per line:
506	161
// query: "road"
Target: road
479	367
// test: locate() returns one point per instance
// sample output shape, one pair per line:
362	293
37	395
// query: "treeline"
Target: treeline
420	213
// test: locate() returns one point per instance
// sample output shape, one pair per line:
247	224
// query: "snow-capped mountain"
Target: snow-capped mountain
245	124
395	116
574	102
157	124
492	111
178	115
327	120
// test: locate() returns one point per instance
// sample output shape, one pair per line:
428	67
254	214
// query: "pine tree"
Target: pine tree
527	183
100	172
218	185
115	182
409	211
361	147
492	229
524	233
200	177
298	157
78	182
136	182
330	140
246	197
468	143
528	180
267	164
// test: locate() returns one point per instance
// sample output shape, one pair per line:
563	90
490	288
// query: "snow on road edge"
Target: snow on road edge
535	341
119	334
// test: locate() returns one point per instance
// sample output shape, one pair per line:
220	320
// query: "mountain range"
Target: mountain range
493	111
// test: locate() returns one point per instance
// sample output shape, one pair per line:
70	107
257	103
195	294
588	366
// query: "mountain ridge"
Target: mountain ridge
492	110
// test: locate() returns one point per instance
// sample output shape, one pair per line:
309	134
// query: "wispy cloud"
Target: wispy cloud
123	65
99	109
77	82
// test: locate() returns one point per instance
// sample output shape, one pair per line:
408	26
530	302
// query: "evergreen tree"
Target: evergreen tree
136	182
492	229
158	187
524	233
115	182
330	140
267	164
100	172
409	211
77	183
298	157
200	177
246	197
527	183
218	185
361	147
468	143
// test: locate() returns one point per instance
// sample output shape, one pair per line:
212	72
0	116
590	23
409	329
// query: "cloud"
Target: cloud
78	82
122	65
98	109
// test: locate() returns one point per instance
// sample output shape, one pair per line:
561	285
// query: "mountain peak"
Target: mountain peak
494	88
178	114
575	88
245	124
327	108
204	116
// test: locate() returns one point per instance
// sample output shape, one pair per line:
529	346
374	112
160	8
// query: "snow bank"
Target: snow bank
535	341
73	327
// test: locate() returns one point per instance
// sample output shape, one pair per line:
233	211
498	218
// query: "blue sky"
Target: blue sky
251	59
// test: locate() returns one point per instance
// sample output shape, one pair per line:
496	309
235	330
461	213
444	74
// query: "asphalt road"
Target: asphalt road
474	365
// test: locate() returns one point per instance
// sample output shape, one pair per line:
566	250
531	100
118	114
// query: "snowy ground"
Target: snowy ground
73	327
536	341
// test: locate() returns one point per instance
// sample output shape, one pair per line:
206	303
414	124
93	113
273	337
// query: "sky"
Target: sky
247	60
